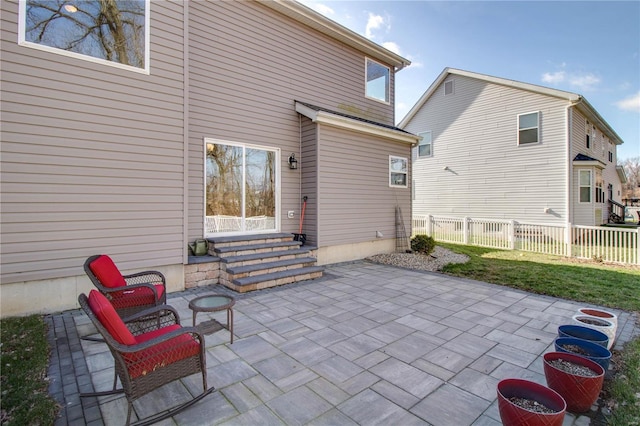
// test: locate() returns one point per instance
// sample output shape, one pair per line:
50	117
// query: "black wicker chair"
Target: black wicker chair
150	350
129	294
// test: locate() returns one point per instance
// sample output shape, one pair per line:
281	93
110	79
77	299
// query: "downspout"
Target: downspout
569	171
185	132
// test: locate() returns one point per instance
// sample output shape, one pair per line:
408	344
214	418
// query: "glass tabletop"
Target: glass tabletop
211	302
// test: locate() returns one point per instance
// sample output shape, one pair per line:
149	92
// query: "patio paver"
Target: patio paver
366	344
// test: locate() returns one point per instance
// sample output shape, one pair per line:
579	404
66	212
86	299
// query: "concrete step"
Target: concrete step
237	250
257	268
272	256
240	240
262	281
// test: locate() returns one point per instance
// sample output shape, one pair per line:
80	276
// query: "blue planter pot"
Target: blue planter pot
591	350
584	333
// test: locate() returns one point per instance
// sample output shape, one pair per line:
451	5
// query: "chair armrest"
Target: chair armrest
160	339
131	287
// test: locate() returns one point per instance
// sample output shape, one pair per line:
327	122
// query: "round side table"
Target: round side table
213	303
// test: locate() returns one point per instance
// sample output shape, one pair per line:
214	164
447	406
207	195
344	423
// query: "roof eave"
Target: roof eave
334	120
313	19
621	174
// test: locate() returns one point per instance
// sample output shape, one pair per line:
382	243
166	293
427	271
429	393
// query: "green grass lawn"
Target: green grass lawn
598	283
25	359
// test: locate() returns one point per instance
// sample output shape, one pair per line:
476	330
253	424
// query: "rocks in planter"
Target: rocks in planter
602	314
519	404
584	333
590	350
596	323
577	379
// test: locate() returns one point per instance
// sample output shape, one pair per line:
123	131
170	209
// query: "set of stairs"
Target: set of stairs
255	262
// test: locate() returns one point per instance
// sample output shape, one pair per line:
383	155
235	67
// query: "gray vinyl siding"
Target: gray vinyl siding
92	156
248	64
474	134
355	199
309	170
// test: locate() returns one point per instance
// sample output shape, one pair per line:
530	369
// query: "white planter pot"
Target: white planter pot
597	323
599	313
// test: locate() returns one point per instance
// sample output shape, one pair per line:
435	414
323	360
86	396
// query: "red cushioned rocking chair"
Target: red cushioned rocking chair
150	349
129	294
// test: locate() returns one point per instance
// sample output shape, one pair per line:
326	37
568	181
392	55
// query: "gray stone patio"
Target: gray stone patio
366	344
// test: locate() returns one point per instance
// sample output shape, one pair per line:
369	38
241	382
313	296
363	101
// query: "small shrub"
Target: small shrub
423	244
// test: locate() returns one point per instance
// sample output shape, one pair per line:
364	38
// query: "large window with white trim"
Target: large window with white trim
114	32
528	128
378	79
241	188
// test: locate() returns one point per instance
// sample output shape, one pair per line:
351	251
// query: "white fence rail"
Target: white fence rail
234	223
609	244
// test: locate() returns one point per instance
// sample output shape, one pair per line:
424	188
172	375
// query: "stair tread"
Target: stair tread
276	275
222	250
254	256
249	237
269	265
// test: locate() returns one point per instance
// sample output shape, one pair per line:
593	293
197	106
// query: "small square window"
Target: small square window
425	146
377	81
448	87
528	128
398	171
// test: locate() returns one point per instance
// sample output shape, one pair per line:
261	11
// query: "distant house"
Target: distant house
498	148
186	120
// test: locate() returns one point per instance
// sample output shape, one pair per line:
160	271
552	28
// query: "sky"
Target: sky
587	47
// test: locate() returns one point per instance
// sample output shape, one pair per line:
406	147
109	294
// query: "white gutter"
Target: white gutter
346	123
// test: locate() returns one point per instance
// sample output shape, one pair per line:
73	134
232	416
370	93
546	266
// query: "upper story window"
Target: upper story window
378	80
448	87
115	32
528	128
398	171
425	146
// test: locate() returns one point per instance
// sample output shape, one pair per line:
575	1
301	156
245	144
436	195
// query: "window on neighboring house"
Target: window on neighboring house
425	146
398	171
528	128
610	157
599	190
585	186
588	141
448	87
114	32
378	81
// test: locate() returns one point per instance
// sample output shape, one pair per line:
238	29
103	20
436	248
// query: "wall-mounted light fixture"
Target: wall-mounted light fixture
293	163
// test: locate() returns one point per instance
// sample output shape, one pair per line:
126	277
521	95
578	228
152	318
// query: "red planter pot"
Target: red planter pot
514	415
579	392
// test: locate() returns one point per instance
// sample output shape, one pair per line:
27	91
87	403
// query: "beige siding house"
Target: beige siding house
135	154
503	149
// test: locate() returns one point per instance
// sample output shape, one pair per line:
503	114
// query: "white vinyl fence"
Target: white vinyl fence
609	244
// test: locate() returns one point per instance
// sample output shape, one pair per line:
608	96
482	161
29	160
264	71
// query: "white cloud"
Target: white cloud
375	22
584	82
553	78
631	103
581	81
324	9
392	46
